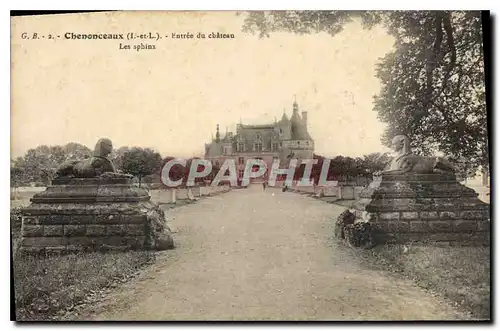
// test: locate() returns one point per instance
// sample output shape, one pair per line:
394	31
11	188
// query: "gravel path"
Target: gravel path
254	255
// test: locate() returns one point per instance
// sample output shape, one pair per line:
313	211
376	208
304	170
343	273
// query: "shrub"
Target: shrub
46	286
15	221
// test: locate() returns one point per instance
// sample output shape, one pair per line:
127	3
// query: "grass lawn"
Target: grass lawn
47	286
460	274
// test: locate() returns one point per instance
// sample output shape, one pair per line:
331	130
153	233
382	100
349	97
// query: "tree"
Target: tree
140	162
432	82
177	171
16	178
117	156
199	169
463	170
76	151
180	172
214	172
40	164
374	162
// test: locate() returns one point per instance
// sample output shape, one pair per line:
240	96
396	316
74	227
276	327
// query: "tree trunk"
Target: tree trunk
484	175
15	193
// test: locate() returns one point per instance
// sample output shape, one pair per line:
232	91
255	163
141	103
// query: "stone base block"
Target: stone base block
63	219
424	208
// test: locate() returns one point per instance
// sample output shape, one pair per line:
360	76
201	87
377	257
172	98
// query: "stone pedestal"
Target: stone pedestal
93	214
424	207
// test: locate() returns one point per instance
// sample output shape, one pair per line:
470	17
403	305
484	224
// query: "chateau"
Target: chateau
284	139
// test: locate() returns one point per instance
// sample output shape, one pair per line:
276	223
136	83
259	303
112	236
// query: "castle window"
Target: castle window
275	147
257	146
241	147
241	160
240	173
281	131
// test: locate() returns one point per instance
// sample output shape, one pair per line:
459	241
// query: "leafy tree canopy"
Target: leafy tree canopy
39	164
140	162
432	81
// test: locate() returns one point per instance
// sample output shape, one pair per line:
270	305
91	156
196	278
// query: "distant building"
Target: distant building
284	139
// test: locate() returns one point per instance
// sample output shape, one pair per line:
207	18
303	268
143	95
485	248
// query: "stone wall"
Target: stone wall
170	196
196	191
344	192
330	191
182	194
459	225
75	215
163	196
75	229
430	207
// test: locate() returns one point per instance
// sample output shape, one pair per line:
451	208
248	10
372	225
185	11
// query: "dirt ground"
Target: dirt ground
263	255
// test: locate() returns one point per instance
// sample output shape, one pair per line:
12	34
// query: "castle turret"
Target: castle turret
284	118
295	107
217	134
304	118
284	126
297	124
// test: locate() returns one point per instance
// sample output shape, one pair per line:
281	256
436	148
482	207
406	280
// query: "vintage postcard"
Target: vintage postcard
250	166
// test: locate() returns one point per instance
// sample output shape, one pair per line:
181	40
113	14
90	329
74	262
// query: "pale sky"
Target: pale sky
171	98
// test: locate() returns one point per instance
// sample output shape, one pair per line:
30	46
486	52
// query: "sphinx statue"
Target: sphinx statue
98	165
90	191
407	162
417	199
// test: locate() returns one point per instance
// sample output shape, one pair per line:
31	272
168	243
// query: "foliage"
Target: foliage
117	156
305	22
178	171
432	82
460	274
16	221
75	151
47	286
140	162
375	162
39	164
344	168
16	175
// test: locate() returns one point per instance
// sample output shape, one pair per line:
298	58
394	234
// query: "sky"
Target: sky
171	98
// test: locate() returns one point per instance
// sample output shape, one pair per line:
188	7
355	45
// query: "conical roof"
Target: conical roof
299	130
284	118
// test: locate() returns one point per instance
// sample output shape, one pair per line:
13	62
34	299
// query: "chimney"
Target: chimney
304	117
